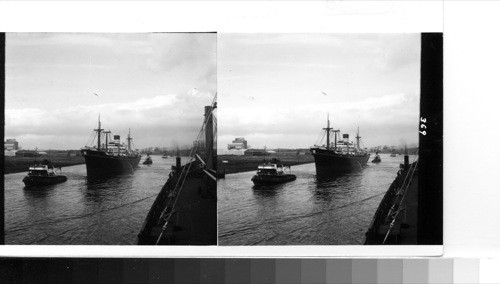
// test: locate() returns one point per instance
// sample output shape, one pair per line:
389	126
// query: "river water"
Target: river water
80	211
307	211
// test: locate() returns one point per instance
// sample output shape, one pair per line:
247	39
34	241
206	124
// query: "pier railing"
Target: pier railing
153	218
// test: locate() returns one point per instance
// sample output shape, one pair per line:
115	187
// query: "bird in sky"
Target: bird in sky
96	94
324	93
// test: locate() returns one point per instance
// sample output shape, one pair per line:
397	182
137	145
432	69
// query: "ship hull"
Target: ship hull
403	192
327	162
101	164
43	180
191	225
271	180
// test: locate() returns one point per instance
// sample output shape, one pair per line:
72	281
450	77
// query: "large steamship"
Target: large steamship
338	157
110	157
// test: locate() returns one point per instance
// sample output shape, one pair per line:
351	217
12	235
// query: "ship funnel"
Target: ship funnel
116	138
178	160
407	159
346	137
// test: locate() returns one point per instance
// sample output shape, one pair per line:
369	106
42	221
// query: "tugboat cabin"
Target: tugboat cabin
271	168
40	170
267	170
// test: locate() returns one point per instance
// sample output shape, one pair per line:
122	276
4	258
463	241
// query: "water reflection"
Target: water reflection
326	180
313	209
266	190
39	191
100	188
82	210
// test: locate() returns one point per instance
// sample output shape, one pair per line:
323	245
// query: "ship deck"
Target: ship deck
194	219
404	230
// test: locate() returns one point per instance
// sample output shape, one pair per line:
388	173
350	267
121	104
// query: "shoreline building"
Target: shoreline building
11	144
239	143
10	147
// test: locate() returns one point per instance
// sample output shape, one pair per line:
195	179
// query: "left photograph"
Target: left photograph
110	139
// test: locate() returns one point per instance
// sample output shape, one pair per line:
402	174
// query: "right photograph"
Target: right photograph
330	139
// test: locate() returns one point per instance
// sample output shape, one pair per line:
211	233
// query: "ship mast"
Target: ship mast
209	137
128	140
99	133
357	138
327	129
107	133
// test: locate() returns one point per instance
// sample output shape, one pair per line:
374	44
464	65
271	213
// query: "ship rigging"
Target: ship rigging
173	219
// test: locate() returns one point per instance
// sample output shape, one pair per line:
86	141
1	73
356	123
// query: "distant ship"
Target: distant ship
148	161
393	153
43	173
272	173
109	158
185	210
339	157
377	158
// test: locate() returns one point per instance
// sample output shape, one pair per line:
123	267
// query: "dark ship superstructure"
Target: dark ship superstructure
109	157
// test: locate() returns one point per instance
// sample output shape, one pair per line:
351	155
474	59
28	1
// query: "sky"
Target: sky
277	90
156	84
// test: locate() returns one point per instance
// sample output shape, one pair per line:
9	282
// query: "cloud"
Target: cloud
154	83
381	119
154	121
271	86
194	53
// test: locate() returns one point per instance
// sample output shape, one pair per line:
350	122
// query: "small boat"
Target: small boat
165	156
272	173
393	154
43	173
148	161
377	158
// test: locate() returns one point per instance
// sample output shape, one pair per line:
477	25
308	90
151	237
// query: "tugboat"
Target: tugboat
339	157
43	173
377	158
272	173
112	157
393	154
148	161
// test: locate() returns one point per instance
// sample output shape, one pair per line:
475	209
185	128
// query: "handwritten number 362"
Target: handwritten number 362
423	126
